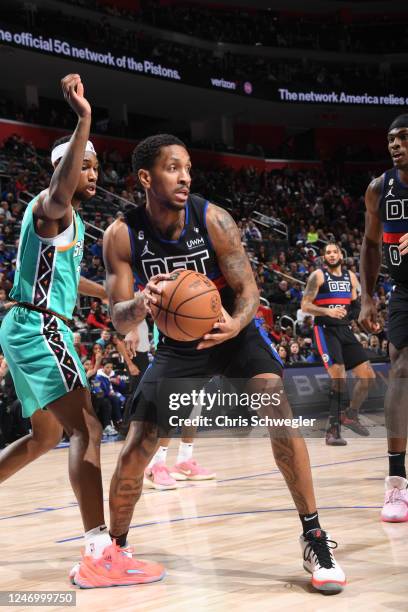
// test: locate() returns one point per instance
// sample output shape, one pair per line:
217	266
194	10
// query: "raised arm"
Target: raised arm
236	269
370	256
127	309
313	285
55	202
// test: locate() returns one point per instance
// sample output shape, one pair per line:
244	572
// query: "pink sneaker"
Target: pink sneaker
395	509
116	568
158	477
190	470
127	550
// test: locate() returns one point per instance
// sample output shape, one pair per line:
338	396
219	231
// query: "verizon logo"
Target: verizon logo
224	84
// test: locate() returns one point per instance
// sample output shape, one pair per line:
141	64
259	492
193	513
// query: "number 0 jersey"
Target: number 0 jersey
394	215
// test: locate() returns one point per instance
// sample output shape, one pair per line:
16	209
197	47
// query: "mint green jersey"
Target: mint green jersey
47	275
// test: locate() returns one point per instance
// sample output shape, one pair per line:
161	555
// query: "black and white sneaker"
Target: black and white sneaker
319	561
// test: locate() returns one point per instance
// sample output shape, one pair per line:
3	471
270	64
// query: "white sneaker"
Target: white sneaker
395	509
110	431
319	561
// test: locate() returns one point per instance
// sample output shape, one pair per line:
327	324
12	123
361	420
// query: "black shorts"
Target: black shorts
398	317
182	368
338	344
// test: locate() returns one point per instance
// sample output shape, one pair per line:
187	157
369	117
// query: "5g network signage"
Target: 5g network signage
189	76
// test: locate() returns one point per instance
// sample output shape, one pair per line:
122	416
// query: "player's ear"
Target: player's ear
144	178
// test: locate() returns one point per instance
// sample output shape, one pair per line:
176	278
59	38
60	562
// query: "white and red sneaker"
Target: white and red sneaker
191	470
319	561
158	477
395	509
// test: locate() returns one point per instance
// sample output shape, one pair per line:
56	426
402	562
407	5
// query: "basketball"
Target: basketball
189	306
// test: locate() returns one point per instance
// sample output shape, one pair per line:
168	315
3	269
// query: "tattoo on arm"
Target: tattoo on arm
125	315
235	266
309	295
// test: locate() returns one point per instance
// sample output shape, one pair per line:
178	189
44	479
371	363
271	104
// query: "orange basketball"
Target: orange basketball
188	307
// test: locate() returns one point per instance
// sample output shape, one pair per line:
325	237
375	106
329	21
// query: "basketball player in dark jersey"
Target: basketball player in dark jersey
331	296
172	231
387	224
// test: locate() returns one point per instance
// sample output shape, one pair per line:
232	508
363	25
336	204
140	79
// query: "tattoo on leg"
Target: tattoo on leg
127	493
284	454
127	483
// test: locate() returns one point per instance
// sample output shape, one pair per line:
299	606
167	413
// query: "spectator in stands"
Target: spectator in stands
281	293
96	354
94	267
374	344
296	294
265	312
96	248
294	353
96	318
312	235
100	403
384	348
5	211
5	284
104	376
104	339
79	347
306	327
283	354
252	232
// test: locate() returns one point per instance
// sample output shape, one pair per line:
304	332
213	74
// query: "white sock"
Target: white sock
96	540
185	452
159	457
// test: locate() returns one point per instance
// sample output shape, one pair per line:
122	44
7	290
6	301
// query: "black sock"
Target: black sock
120	540
397	464
310	521
334	408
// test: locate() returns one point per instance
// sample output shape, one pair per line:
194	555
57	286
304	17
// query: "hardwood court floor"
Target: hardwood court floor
230	544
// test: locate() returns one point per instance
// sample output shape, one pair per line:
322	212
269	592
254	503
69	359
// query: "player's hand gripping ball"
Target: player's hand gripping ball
188	306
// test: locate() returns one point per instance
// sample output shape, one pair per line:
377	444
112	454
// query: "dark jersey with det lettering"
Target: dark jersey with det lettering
334	338
179	365
152	254
334	292
394	215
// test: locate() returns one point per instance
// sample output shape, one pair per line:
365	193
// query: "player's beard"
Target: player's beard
333	266
174	207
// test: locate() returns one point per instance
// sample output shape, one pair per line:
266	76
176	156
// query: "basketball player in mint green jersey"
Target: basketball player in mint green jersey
38	344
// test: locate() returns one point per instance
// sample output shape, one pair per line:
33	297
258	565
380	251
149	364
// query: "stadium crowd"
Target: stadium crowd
334	31
315	206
